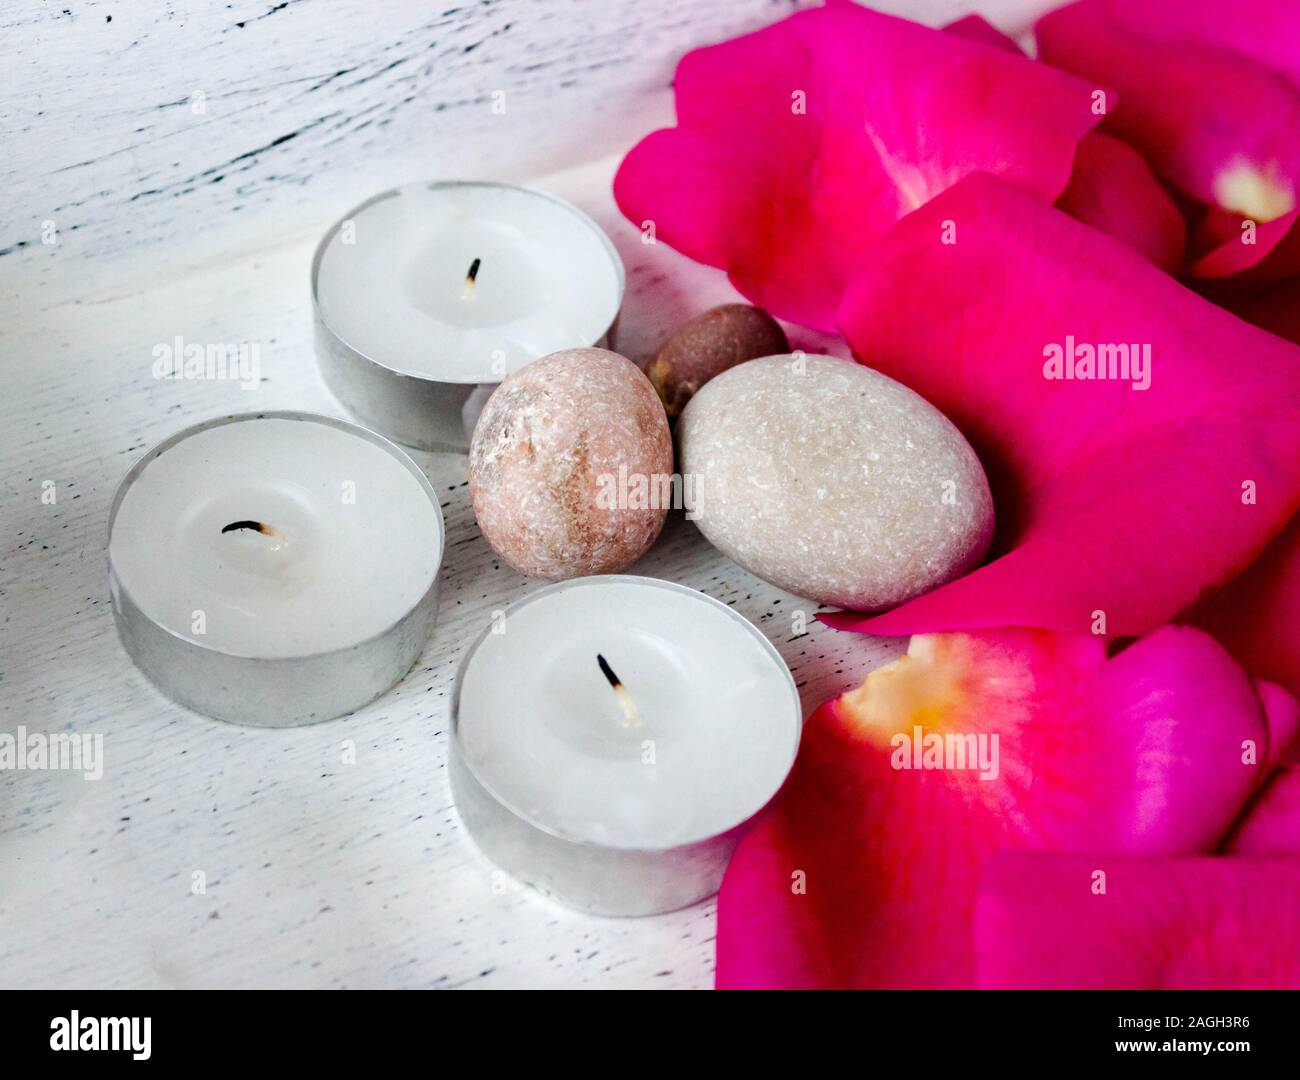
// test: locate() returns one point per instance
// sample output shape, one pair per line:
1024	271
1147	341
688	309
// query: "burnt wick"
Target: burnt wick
631	717
254	526
470	278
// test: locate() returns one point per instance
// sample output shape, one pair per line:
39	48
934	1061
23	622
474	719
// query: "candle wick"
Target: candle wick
254	526
468	292
631	717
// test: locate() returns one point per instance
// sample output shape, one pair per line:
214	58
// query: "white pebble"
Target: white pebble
780	451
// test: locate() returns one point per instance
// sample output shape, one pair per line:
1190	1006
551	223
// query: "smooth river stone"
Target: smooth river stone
834	482
708	345
555	462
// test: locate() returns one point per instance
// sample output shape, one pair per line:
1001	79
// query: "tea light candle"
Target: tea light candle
428	295
275	568
611	734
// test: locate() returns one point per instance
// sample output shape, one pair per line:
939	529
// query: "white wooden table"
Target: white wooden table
316	873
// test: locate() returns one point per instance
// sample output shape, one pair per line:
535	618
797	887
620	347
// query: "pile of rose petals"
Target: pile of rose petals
958	210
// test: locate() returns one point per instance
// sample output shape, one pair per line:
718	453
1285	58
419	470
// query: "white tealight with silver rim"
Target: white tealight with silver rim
611	736
427	296
275	568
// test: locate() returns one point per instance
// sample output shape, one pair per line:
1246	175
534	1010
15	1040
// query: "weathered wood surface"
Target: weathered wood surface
151	133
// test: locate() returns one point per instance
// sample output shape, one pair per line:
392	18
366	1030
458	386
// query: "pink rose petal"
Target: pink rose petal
1282	718
1112	189
1272	253
978	28
1271	825
798	145
1114	503
1199	99
1180	924
1257	614
863	874
1265	30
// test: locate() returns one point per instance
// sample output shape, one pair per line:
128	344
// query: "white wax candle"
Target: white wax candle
538	723
392	280
354	540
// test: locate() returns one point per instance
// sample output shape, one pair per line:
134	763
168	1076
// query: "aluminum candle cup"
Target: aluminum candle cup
274	568
611	735
427	296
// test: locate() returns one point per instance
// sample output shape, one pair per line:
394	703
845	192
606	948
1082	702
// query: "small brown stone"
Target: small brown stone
708	345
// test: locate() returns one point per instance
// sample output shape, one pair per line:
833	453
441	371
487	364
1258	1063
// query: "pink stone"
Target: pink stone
562	461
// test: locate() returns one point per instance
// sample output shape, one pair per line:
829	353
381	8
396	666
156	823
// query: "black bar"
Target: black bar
891	1030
